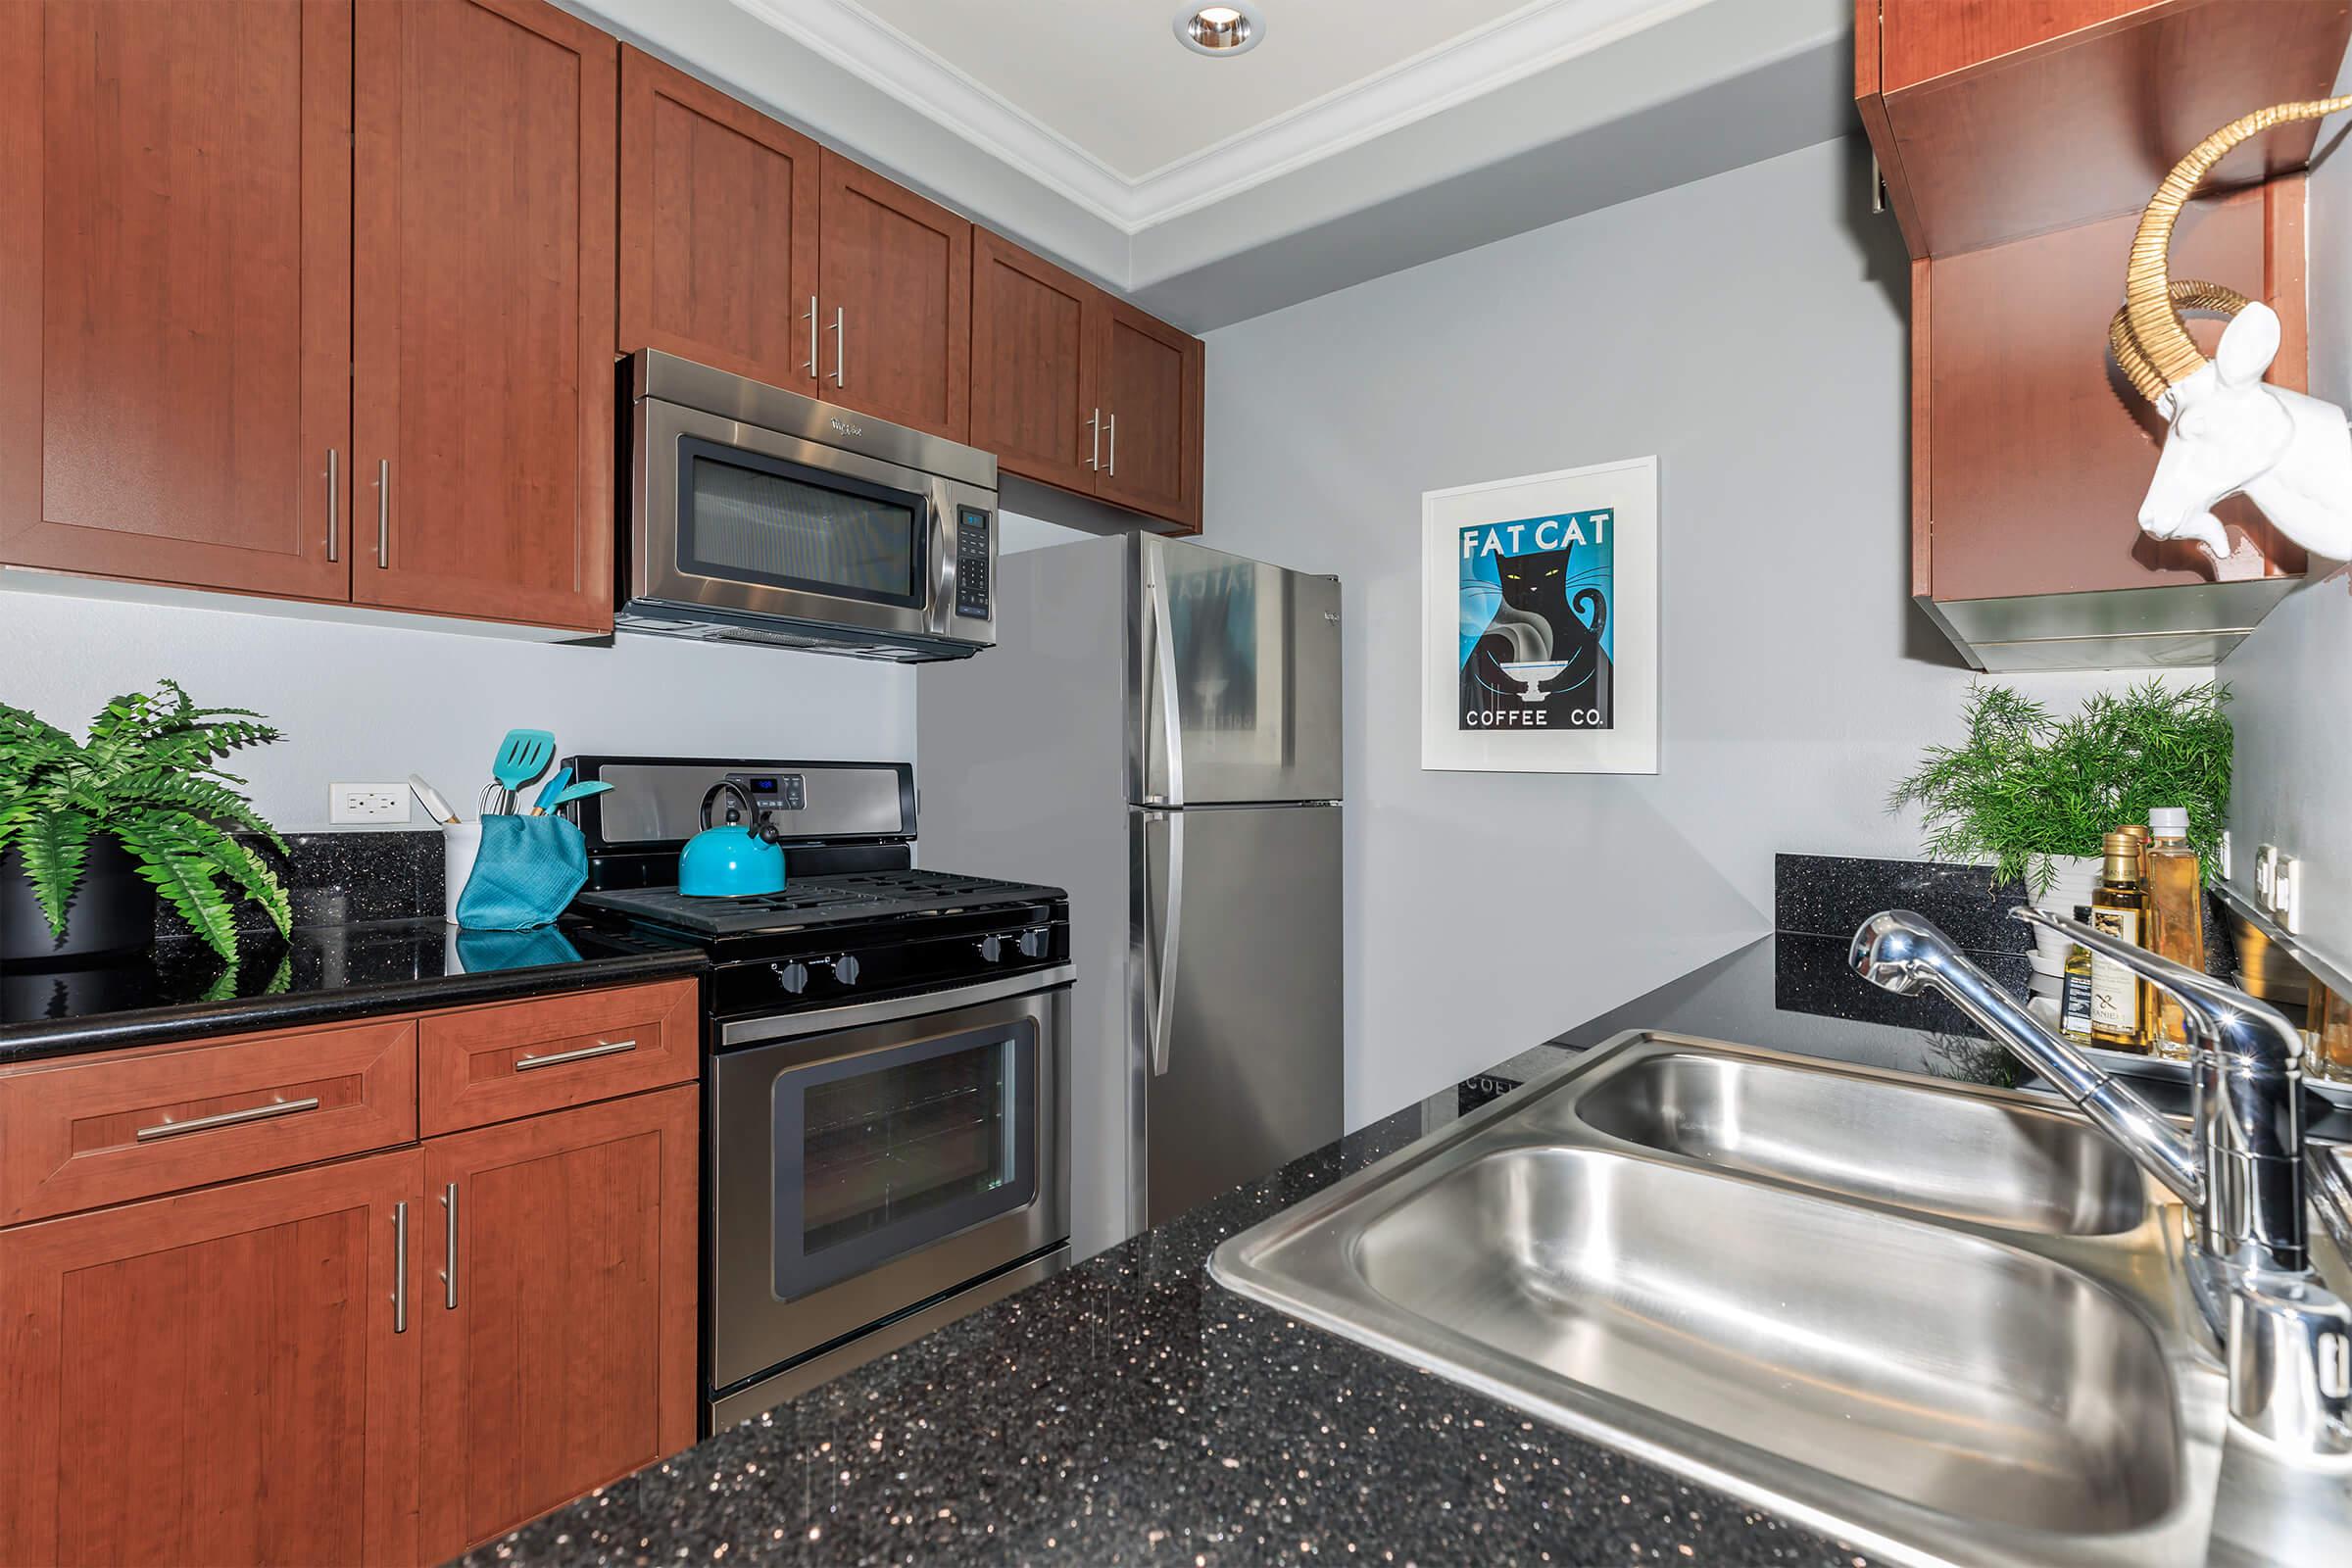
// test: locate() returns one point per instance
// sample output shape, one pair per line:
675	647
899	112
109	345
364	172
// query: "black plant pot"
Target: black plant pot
113	910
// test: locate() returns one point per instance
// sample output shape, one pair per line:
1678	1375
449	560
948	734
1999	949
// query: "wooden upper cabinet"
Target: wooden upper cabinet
559	1334
1150	389
217	1378
719	223
2035	451
176	290
1034	354
895	290
484	311
2000	119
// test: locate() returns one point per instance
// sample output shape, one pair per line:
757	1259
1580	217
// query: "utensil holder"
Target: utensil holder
460	847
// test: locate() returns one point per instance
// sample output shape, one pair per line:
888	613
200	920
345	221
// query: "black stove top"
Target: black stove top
833	900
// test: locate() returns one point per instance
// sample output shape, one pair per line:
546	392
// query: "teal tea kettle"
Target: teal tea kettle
733	859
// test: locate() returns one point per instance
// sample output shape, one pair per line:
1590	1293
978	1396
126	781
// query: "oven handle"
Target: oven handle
858	1015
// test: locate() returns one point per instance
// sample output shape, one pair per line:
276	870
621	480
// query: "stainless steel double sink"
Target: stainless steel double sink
1944	1322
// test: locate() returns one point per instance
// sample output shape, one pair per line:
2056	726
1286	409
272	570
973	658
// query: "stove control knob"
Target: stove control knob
1033	943
845	968
992	947
792	976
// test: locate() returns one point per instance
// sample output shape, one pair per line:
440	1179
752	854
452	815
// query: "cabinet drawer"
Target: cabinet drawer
82	1134
487	1064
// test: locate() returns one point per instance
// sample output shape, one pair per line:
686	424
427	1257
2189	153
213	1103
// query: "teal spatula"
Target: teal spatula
521	758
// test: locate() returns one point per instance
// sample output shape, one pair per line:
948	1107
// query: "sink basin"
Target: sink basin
1936	1322
1986	1160
1925	1363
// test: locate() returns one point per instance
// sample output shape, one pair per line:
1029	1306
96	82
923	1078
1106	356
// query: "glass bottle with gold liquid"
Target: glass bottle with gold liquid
2175	884
2119	907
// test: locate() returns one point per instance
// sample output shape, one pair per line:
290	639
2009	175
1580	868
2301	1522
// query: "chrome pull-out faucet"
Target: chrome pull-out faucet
2240	1172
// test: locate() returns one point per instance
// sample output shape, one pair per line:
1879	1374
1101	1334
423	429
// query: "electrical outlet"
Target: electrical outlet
368	803
2223	856
2286	893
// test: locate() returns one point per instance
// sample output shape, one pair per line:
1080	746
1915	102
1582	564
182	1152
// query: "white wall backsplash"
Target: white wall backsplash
1751	330
364	702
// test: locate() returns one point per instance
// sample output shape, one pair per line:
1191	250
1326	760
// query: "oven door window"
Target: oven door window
881	1154
744	517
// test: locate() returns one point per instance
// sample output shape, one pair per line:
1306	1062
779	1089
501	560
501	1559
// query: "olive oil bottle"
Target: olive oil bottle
2119	907
2074	1004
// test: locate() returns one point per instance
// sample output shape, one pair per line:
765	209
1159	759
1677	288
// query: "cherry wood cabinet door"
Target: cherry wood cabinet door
1150	389
559	1313
718	217
486	158
895	291
1033	393
175	292
220	1377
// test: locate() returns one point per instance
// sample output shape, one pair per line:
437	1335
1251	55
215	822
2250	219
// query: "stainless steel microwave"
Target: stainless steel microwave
757	515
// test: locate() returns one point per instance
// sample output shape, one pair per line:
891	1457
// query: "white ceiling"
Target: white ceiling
1097	99
1110	77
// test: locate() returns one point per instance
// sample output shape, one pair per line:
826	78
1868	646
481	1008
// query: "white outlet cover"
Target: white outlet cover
371	803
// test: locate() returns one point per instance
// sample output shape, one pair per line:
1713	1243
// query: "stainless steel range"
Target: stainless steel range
886	1102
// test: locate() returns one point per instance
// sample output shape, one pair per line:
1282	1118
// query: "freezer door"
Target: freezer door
1235	1007
1234	678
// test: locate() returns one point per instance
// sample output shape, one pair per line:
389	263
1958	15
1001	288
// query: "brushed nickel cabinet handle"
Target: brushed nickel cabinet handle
400	1267
813	376
603	1047
334	523
1094	439
168	1128
1113	467
383	513
449	1247
841	347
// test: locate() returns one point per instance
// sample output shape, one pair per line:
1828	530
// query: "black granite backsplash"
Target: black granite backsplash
1830	895
341	879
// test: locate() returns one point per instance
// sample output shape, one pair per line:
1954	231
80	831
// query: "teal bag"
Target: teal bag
525	875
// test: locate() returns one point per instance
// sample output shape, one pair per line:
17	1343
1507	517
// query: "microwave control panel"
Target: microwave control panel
971	563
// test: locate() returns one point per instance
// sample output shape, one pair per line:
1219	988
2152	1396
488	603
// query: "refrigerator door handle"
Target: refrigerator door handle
1163	990
1164	677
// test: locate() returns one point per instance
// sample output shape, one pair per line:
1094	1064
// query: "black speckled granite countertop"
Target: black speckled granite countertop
1130	1410
181	990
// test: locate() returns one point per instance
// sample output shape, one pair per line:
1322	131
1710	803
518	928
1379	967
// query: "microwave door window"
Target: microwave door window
743	517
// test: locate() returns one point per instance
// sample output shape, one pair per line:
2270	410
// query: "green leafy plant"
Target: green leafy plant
2026	787
148	775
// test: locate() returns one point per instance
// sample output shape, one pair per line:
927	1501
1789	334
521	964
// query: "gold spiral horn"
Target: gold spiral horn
2152	320
2187	294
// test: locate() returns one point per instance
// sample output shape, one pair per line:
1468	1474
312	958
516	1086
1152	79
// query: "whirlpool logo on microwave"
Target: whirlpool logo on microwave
847	426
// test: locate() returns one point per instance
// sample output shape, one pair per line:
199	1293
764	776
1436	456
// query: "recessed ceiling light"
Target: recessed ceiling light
1221	31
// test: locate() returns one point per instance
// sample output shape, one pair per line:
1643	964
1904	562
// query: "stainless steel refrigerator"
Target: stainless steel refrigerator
1157	730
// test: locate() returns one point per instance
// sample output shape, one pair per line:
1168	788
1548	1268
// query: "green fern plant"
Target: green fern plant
2026	787
149	775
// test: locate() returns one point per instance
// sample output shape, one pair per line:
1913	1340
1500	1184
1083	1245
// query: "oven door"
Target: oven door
864	1160
744	522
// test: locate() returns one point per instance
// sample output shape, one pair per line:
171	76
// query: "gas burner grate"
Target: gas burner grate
815	901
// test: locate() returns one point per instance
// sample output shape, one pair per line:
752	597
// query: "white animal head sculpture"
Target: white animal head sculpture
2232	432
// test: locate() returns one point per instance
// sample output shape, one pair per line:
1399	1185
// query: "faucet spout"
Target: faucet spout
1904	953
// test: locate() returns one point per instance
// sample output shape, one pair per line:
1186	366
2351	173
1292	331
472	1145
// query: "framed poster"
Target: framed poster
1540	623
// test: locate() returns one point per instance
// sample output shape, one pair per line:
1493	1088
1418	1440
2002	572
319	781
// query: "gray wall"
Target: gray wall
1750	330
366	703
2293	770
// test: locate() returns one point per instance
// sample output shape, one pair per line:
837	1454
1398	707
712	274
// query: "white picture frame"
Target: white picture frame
1577	623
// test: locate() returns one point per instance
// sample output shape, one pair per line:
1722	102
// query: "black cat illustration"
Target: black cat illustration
1539	619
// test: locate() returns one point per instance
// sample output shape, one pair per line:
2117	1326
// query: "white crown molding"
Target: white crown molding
1511	48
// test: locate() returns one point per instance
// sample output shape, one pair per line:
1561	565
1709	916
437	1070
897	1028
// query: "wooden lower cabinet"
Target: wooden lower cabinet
561	1354
216	1378
241	1374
